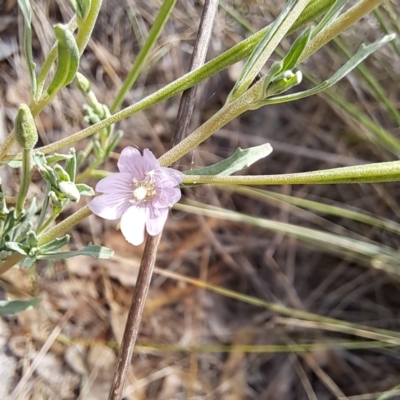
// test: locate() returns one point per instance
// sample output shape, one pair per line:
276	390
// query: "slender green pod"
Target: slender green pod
68	59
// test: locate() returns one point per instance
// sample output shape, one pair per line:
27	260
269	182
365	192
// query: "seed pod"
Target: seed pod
25	129
68	59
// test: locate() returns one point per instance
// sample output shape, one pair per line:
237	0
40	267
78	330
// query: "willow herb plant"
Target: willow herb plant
144	189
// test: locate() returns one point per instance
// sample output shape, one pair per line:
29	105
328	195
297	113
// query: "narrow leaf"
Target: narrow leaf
84	190
25	8
18	247
58	157
91	250
9	307
70	165
295	52
241	159
54	245
267	45
330	16
360	56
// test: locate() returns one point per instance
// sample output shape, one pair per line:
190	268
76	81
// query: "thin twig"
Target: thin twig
150	251
134	316
199	54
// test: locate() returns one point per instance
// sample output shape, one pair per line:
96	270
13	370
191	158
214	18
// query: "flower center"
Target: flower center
144	190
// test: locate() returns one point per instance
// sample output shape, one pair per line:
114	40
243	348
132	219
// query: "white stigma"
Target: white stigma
140	193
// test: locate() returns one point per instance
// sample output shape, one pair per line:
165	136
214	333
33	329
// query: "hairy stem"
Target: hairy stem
26	173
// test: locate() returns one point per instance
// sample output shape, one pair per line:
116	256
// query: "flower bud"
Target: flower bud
25	129
82	83
69	190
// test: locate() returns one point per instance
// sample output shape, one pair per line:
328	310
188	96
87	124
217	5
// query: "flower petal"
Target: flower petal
149	161
110	205
166	197
133	223
173	174
156	221
130	160
120	182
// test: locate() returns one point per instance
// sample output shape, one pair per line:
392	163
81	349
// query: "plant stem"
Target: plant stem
230	57
350	17
26	172
44	207
188	97
134	317
64	226
370	173
150	251
226	114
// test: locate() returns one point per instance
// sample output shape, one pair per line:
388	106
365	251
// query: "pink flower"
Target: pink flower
140	194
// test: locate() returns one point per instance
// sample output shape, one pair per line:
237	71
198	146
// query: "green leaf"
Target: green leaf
9	307
69	190
267	45
68	59
32	240
14	163
18	247
58	157
81	7
25	8
91	250
84	190
3	205
25	221
241	159
287	81
330	16
54	245
114	142
27	262
61	173
361	55
70	165
295	52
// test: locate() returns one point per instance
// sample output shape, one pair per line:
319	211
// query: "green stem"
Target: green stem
144	53
53	216
371	173
230	57
26	173
44	207
64	226
227	113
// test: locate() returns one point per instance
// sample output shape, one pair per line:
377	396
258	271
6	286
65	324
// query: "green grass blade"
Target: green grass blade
368	253
144	53
320	207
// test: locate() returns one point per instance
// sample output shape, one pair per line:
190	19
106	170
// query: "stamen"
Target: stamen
144	190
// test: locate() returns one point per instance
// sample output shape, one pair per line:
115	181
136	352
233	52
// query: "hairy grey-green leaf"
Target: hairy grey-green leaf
363	52
54	245
25	8
9	307
241	159
91	250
